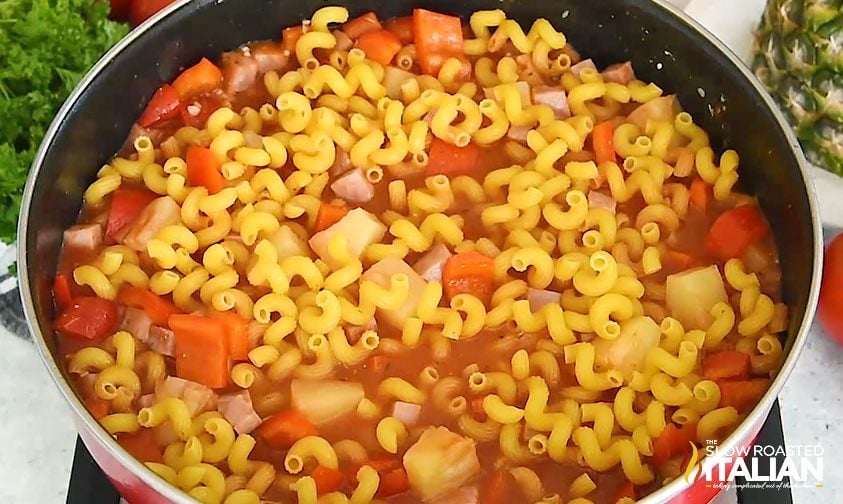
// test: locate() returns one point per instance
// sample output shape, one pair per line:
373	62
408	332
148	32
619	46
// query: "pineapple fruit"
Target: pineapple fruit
799	58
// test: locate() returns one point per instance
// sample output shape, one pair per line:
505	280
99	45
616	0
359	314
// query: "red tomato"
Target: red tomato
164	105
119	9
141	10
88	318
207	105
830	310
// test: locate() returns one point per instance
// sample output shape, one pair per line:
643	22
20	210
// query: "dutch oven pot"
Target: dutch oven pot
663	44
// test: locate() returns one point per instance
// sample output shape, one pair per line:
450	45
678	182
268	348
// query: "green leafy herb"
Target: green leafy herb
47	46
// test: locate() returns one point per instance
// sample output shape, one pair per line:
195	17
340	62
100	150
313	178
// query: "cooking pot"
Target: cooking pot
663	44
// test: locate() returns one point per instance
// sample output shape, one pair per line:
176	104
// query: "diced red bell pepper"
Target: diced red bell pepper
164	105
200	78
196	112
735	230
448	159
203	169
402	27
88	318
61	291
126	205
726	365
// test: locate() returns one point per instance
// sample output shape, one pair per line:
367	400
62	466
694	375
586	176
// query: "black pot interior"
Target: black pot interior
661	46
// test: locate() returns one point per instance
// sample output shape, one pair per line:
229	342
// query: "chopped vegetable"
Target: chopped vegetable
325	401
200	78
726	364
469	273
381	273
359	228
438	447
283	429
201	349
495	490
377	364
602	138
676	260
672	441
61	291
700	194
361	25
402	27
142	445
382	465
329	214
735	230
742	393
327	479
381	45
628	352
690	296
290	37
626	491
831	295
660	109
98	408
164	105
88	318
437	37
448	159
141	10
158	308
198	110
237	331
47	47
159	214
203	169
393	483
287	243
127	203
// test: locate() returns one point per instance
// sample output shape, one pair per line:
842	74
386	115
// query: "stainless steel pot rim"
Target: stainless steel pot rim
746	428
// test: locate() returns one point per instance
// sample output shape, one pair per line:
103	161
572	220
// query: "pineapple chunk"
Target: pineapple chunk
628	352
690	295
360	229
440	462
287	243
324	401
381	273
660	109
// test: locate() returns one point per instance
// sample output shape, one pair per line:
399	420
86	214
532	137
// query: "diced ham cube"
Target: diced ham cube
136	322
622	73
430	265
440	462
406	413
381	273
237	409
342	163
353	333
597	199
360	229
159	214
582	65
553	97
518	133
147	400
269	56
540	297
162	341
196	396
354	187
344	43
465	495
239	71
83	237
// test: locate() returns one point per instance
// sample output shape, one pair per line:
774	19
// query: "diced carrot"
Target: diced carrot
437	37
237	330
677	260
377	364
672	441
361	25
61	291
283	429
700	194
158	308
495	490
469	273
726	365
602	138
142	445
327	479
476	407
164	105
203	169
127	203
735	230
201	349
626	491
290	37
381	45
98	408
393	483
328	215
200	78
448	159
402	27
742	393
